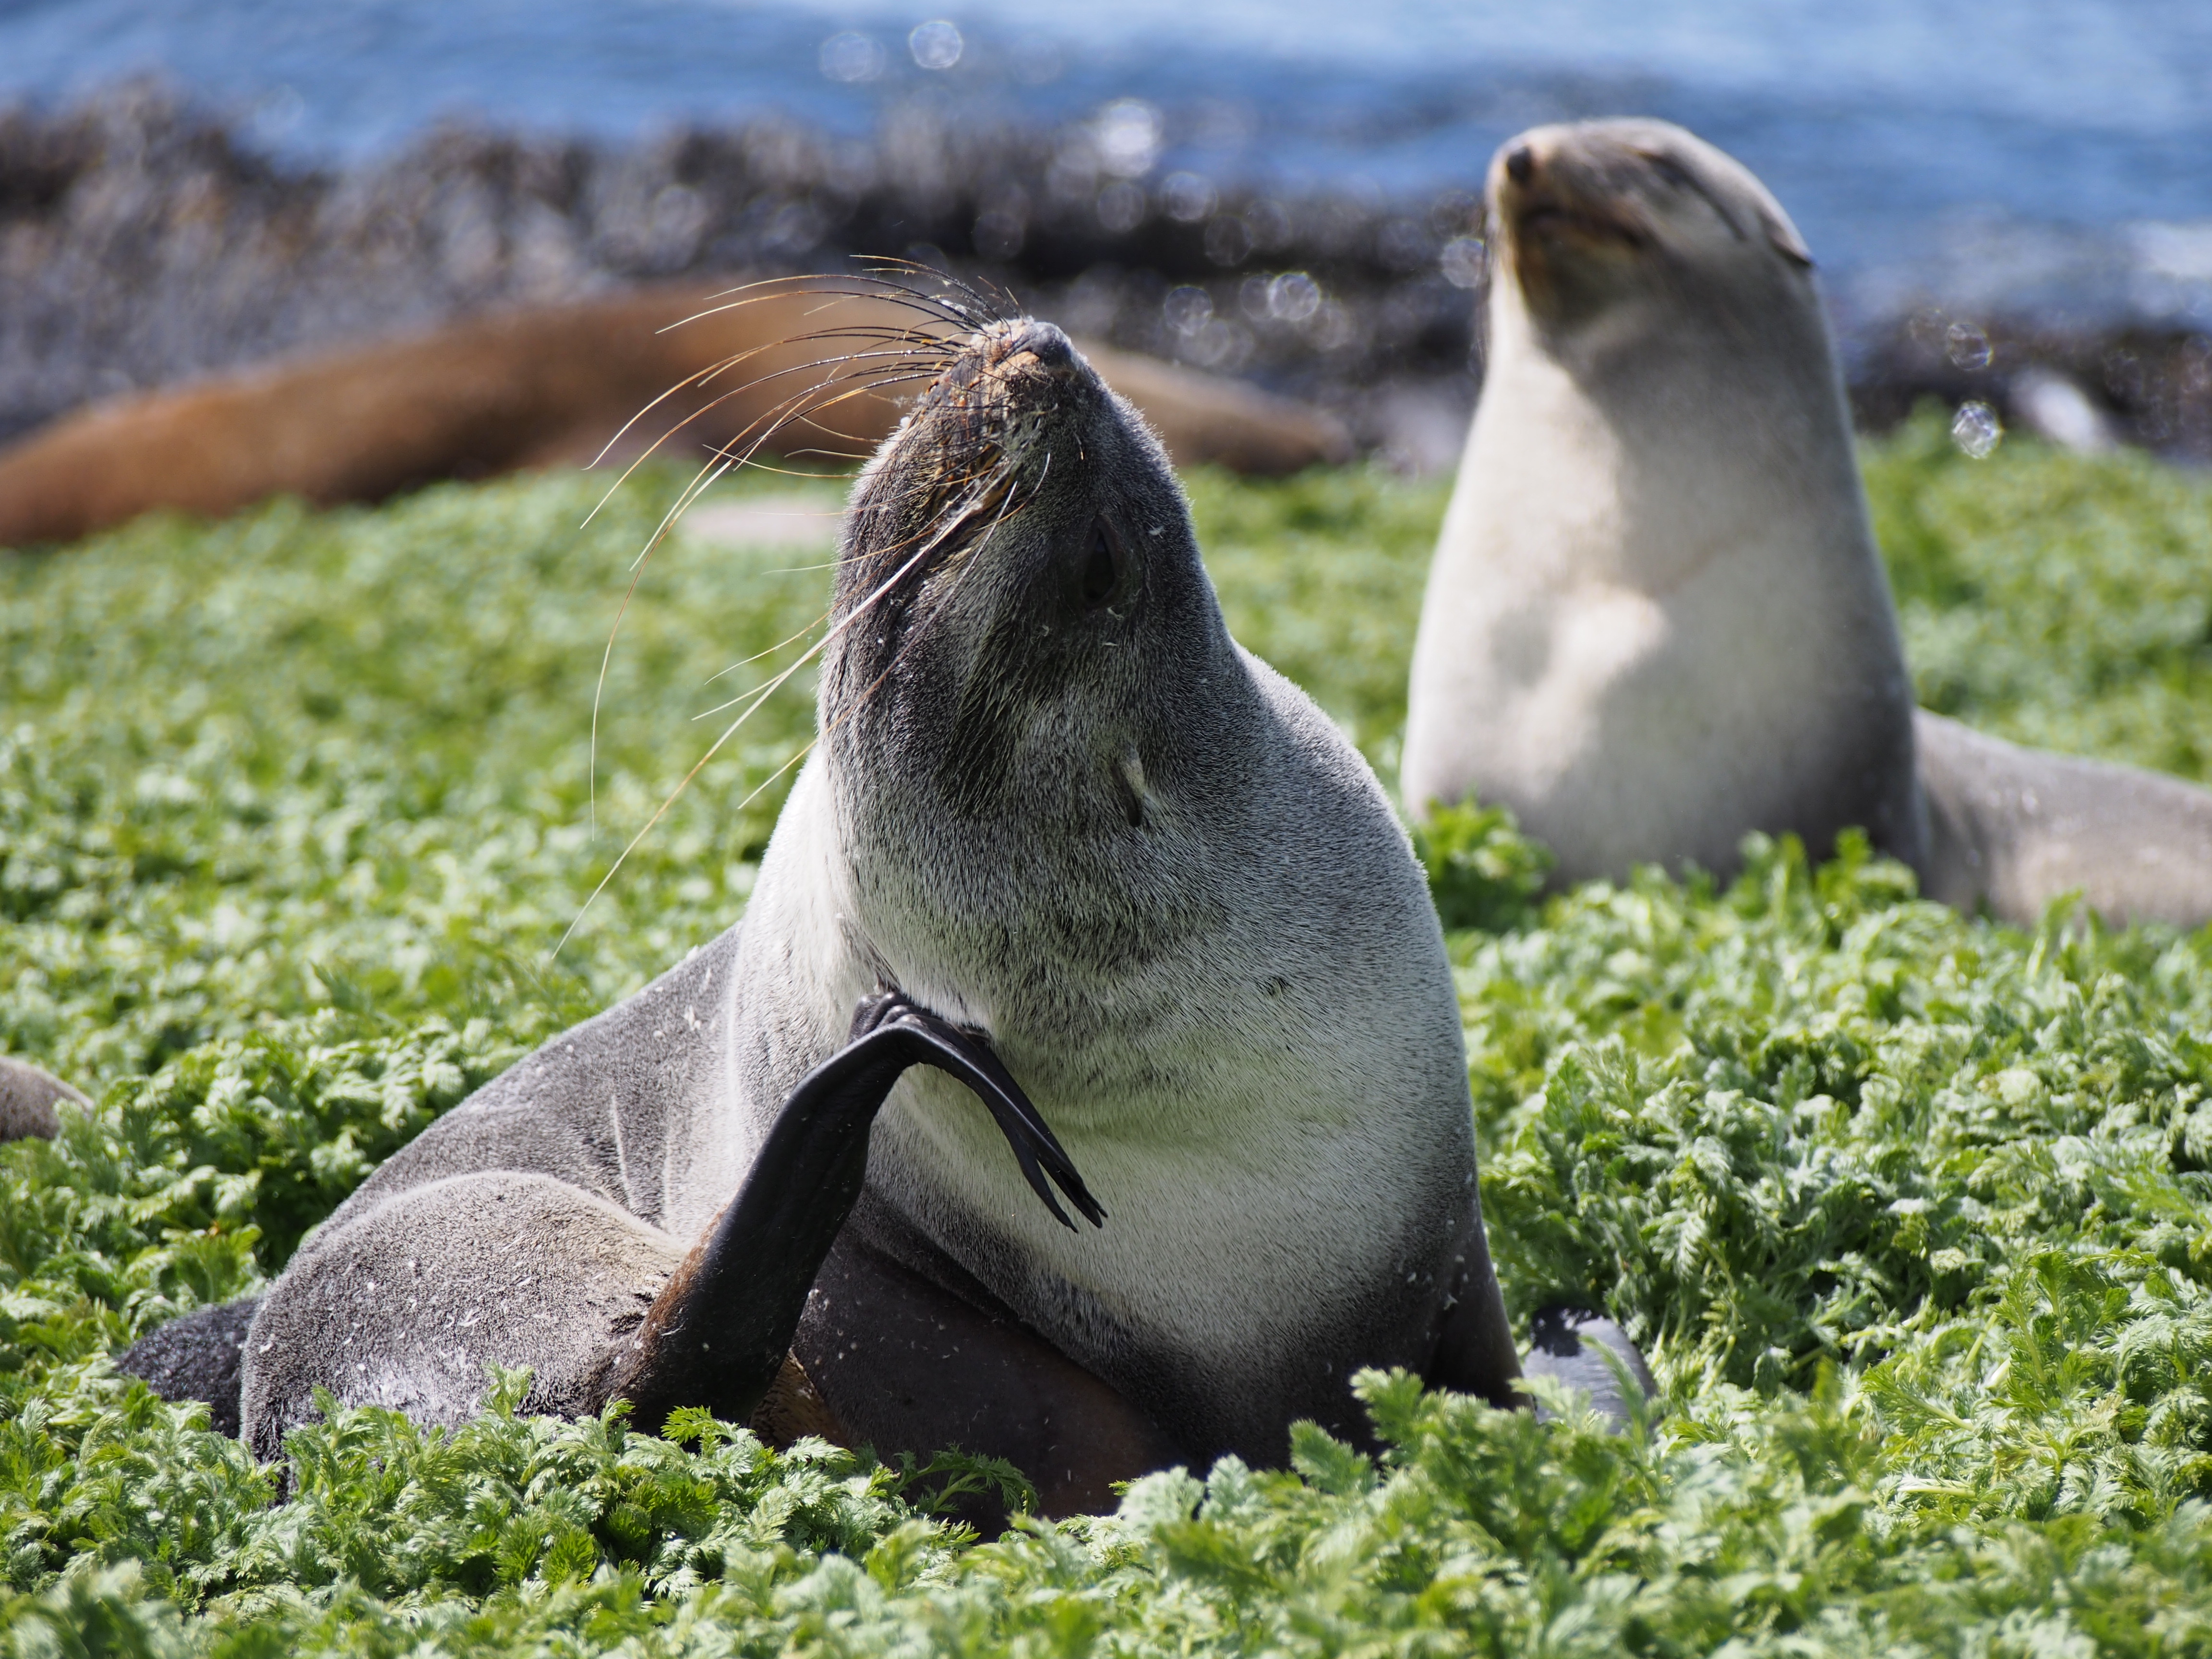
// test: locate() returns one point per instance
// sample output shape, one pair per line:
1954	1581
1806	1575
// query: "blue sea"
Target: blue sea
2029	153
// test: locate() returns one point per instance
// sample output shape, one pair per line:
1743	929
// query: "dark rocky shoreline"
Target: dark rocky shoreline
143	241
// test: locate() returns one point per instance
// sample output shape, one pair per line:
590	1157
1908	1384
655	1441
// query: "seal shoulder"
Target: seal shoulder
604	1107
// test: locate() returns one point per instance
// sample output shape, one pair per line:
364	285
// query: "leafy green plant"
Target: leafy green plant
1483	871
1909	1211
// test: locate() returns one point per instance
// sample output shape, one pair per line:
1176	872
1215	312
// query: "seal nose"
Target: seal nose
1521	164
1043	341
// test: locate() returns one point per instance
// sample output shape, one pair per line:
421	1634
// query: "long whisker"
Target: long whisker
918	366
867	286
950	524
988	311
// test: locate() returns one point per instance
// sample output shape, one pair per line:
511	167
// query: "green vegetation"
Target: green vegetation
1909	1211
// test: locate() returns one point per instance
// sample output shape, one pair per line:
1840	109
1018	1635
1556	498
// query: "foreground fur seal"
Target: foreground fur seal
550	386
1058	814
1657	620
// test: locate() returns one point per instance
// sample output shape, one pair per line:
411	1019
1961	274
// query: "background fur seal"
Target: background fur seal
1657	620
1054	802
31	1101
550	385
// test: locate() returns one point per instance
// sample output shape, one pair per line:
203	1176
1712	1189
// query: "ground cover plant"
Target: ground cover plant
1908	1210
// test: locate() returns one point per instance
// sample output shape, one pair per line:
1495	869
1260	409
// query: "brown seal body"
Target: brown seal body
552	386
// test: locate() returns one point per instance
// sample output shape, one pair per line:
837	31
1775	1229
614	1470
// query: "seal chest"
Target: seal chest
1231	1001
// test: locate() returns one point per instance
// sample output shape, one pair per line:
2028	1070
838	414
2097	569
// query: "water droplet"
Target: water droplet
1227	241
1293	297
1129	136
1967	346
853	55
1120	207
935	45
1188	309
1218	345
1463	260
1188	197
1976	429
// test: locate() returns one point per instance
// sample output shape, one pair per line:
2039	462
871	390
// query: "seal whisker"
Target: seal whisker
991	310
725	458
838	628
866	286
867	380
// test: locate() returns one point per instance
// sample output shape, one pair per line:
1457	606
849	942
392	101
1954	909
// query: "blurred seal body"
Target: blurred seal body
1656	619
31	1101
1056	804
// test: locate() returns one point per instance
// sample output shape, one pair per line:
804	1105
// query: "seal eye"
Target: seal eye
1102	566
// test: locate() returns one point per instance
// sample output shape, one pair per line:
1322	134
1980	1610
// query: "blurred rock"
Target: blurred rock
142	243
30	1101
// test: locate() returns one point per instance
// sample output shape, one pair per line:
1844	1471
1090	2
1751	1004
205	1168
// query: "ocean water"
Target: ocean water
2038	155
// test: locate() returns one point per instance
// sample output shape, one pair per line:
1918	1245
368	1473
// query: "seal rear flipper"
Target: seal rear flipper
408	1303
197	1356
717	1333
1572	1344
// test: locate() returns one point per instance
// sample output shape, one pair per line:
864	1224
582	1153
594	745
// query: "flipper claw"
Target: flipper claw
967	1055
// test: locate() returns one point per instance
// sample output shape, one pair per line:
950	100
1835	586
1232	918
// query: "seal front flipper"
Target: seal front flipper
717	1333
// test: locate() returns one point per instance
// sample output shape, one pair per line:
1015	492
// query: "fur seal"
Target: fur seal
550	385
1063	823
1657	620
2012	829
30	1101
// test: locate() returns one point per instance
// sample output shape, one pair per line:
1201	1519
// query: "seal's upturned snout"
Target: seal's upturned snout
1028	337
1018	365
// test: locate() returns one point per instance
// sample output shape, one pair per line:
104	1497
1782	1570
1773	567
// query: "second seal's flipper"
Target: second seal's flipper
1571	1345
716	1336
196	1357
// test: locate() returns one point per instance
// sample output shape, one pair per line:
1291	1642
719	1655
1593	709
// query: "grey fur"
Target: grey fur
31	1101
1145	864
2013	829
197	1356
1657	620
